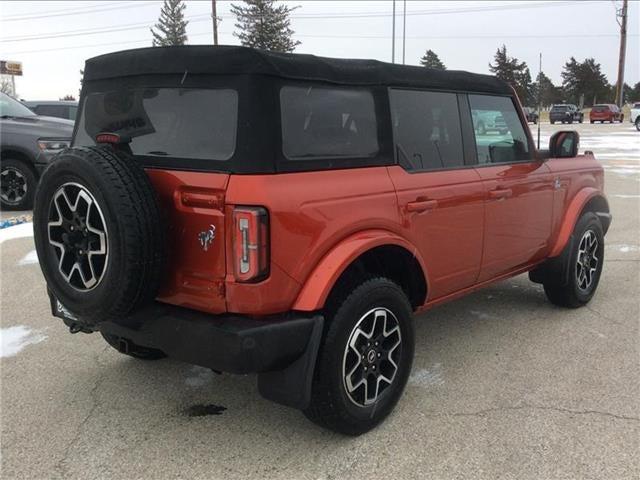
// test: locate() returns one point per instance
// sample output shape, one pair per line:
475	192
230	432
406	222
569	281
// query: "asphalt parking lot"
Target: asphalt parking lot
504	385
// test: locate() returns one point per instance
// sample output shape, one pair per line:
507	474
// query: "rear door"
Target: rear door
440	197
518	191
186	139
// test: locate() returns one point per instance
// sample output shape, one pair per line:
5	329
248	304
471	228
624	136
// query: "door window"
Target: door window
426	129
499	134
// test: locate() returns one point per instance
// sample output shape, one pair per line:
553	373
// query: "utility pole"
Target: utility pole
404	28
621	18
393	34
214	16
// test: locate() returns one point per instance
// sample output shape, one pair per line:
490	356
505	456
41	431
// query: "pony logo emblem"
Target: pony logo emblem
207	237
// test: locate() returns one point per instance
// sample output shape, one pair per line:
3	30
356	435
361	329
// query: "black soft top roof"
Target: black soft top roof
230	60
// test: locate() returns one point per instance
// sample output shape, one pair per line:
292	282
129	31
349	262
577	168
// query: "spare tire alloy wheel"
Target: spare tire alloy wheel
78	232
371	356
13	186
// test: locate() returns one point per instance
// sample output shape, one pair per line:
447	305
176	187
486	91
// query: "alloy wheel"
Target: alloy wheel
587	261
13	185
78	233
371	357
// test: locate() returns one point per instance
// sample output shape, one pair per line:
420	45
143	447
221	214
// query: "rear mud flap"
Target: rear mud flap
292	385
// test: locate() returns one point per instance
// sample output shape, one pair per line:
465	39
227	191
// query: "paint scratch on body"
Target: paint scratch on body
14	339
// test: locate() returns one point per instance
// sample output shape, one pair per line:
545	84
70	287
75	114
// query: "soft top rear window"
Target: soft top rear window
189	123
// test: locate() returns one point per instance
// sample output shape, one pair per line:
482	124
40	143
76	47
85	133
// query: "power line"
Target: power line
74	33
369	37
77	11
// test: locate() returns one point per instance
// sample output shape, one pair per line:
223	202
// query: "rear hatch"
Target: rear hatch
185	138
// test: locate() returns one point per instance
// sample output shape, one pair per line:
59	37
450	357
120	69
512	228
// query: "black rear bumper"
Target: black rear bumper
281	349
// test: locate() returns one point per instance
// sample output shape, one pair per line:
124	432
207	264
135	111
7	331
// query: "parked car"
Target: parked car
285	215
61	109
531	114
484	122
606	113
28	142
565	113
635	115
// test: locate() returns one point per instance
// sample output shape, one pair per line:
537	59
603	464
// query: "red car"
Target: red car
606	113
287	215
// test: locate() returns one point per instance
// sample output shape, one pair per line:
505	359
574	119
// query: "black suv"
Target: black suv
565	113
28	142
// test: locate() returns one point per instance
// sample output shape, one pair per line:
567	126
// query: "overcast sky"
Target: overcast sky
53	38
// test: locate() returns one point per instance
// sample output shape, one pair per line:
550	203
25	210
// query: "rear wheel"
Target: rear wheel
365	358
638	124
585	265
127	347
17	185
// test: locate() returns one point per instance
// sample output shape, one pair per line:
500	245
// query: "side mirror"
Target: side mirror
564	144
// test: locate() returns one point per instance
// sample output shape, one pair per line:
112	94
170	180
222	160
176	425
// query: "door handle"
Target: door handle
499	193
421	205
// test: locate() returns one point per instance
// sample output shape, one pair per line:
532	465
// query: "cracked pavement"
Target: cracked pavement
504	386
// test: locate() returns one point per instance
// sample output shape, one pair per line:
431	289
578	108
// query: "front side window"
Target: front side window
165	122
322	122
426	129
499	134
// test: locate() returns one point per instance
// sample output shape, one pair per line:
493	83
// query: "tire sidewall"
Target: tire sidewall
588	221
75	168
370	295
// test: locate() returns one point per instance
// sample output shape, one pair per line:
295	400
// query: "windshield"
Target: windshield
560	108
174	122
10	107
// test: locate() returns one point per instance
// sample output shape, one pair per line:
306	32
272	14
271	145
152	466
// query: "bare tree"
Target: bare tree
6	86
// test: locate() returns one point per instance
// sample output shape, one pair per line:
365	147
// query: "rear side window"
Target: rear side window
59	111
321	122
426	129
165	122
499	134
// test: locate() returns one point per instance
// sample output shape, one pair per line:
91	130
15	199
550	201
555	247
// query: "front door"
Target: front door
518	191
440	198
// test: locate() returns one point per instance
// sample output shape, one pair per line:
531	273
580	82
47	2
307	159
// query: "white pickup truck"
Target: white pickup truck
635	115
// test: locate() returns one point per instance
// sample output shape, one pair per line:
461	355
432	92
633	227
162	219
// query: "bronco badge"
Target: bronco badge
207	237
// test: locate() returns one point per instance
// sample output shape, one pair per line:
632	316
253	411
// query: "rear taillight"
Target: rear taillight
250	243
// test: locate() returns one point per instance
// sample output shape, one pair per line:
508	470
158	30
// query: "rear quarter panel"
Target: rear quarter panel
310	213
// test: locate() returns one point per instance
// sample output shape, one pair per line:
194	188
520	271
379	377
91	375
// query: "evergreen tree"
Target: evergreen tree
263	24
431	60
586	79
171	27
513	72
549	93
634	93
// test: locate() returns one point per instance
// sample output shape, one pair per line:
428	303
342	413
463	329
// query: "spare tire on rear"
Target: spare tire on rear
98	233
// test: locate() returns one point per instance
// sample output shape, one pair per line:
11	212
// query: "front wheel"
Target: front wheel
17	185
585	265
365	358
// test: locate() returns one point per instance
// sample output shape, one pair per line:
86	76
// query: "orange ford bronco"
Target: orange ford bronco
286	215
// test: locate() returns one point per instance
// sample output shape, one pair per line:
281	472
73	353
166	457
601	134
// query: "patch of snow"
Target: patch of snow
427	378
624	248
22	230
29	259
480	315
14	339
200	376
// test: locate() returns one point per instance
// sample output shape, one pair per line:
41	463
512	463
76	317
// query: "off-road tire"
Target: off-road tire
330	406
570	295
127	347
24	174
134	231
